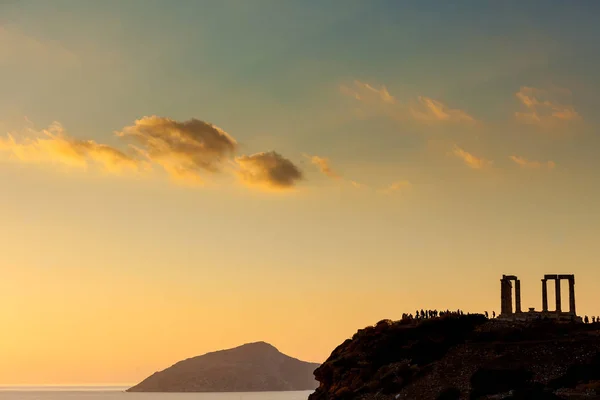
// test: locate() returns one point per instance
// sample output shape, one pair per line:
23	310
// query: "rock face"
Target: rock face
253	367
464	357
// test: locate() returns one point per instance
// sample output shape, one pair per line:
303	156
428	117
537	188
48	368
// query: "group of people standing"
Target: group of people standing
429	314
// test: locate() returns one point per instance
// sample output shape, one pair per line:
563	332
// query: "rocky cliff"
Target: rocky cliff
464	357
252	367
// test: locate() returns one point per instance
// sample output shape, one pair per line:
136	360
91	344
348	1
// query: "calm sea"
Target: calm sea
118	393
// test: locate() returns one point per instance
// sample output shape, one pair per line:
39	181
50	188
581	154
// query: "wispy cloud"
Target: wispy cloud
324	167
358	185
378	100
365	92
53	145
268	170
427	109
546	108
323	164
397	187
524	163
469	159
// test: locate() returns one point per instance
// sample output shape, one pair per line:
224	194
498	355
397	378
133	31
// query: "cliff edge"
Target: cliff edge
253	367
464	357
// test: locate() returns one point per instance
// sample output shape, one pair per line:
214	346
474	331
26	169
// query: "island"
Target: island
252	367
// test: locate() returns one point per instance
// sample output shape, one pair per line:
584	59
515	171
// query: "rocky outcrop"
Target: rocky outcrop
253	367
464	357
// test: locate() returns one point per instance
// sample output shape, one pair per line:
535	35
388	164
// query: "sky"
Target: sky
183	177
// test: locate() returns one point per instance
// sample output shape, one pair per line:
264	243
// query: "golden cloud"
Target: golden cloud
52	145
427	109
325	168
358	185
365	92
469	159
546	108
397	186
323	165
523	162
268	170
424	109
183	149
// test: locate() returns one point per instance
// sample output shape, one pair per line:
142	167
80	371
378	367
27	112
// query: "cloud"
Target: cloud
379	101
183	149
52	145
397	186
358	185
427	109
523	162
365	92
469	159
268	170
323	165
546	108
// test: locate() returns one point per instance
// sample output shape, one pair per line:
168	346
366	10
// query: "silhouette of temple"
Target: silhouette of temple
506	300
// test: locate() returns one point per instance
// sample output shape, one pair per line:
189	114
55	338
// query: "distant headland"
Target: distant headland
253	367
450	355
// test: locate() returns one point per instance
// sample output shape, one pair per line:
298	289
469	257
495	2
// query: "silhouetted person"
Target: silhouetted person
493	314
422	313
417	314
586	320
486	314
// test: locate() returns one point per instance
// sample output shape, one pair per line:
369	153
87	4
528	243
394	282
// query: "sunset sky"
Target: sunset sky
182	177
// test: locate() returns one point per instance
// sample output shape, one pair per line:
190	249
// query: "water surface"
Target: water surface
118	393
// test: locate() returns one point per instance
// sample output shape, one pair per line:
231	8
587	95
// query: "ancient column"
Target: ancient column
518	296
502	296
508	297
558	302
572	295
544	295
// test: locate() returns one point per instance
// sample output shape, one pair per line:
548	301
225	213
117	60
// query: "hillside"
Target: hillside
464	357
253	367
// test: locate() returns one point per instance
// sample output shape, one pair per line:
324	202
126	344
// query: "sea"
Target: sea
118	393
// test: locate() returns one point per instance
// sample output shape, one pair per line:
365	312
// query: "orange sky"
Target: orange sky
178	180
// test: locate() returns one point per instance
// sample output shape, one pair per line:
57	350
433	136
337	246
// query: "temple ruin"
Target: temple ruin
506	300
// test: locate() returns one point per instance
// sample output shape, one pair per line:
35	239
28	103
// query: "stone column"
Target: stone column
572	296
544	295
502	296
517	296
558	302
508	297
